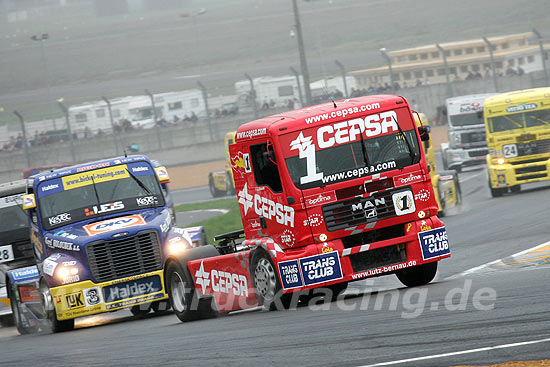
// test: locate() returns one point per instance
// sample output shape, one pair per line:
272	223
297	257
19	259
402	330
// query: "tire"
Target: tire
7	321
498	192
230	185
140	310
337	289
213	190
18	319
160	306
183	298
417	275
515	189
57	326
266	283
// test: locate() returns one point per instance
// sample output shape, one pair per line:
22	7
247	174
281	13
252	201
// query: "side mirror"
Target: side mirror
424	132
29	202
444	111
162	174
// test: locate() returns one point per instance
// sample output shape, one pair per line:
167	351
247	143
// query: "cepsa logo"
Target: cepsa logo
350	131
221	281
114	224
267	208
408	178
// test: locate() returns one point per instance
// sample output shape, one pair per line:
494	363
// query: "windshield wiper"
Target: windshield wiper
412	154
140	184
95	190
364	149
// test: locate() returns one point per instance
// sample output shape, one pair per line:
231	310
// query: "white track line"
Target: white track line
474	176
468	351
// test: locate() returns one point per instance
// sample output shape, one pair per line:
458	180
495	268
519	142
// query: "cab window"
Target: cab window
266	172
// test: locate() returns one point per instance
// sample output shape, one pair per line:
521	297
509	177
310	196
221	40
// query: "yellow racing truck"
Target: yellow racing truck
445	183
221	182
518	137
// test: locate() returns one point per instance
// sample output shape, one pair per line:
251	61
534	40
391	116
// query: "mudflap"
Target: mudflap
24	295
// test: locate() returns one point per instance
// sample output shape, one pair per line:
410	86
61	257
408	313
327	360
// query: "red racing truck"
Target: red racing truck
328	194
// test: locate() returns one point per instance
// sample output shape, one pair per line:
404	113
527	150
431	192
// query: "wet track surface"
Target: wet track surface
457	319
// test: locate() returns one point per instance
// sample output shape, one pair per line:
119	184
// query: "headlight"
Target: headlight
177	245
500	161
67	274
455	138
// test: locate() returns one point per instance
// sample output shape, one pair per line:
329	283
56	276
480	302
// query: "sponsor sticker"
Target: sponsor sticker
319	199
135	288
50	187
266	208
74	300
104	208
96	176
408	178
321	268
25	273
60	218
48	266
422	195
92	296
290	274
114	224
147	201
221	281
434	243
403	202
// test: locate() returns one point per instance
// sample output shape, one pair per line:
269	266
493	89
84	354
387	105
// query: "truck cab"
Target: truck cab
518	136
15	244
102	233
327	194
466	131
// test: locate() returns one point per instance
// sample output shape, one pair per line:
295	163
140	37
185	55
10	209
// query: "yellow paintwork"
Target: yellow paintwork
448	187
219	177
504	174
64	312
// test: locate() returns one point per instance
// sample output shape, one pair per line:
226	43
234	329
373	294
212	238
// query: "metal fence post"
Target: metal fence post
69	132
542	54
300	94
343	71
112	124
155	120
208	120
253	95
490	46
446	65
25	143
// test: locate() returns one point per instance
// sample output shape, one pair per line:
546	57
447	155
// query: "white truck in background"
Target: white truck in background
466	132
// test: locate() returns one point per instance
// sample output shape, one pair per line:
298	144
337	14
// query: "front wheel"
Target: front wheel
266	283
417	275
57	326
183	298
496	193
212	186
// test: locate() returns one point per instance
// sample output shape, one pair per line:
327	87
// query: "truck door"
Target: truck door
266	210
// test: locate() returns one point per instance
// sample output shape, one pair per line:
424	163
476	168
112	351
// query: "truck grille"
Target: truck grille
474	137
520	171
124	257
353	212
534	147
374	235
376	258
478	153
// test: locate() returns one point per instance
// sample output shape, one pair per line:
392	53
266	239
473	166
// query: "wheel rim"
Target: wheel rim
46	298
177	290
264	279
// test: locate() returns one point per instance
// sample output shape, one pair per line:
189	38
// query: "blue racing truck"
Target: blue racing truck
102	233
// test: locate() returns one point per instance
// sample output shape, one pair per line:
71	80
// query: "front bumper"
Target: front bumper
335	263
466	157
517	172
88	298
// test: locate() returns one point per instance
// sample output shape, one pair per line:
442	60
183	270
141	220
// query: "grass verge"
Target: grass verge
230	221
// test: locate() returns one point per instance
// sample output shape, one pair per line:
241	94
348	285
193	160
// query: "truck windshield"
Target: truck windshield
335	162
12	216
466	119
521	120
98	192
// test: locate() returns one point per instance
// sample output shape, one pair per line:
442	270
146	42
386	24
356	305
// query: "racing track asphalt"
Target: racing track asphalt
354	332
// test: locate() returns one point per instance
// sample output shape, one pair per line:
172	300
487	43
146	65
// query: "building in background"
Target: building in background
515	53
